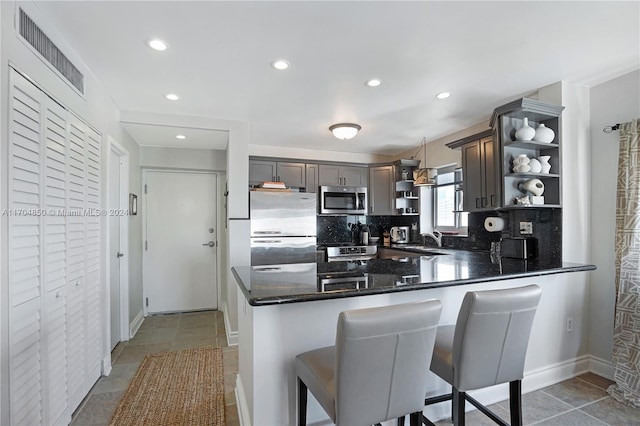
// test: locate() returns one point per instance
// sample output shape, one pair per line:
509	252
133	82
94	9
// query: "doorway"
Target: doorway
118	242
180	241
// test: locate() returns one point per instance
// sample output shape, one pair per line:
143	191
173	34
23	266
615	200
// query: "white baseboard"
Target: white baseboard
135	324
601	367
106	365
232	336
241	403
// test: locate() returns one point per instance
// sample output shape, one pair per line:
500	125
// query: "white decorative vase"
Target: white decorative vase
526	132
535	166
534	186
544	134
521	159
544	164
521	164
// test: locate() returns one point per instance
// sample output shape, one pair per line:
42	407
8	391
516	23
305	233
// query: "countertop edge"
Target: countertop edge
280	300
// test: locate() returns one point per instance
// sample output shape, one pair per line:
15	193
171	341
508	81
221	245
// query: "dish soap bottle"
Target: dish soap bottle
364	235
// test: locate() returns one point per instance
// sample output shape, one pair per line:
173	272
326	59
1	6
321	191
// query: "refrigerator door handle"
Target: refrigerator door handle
267	241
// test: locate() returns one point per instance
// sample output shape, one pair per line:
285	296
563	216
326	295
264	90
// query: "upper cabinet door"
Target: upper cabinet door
381	190
292	174
329	175
312	178
261	171
472	171
354	176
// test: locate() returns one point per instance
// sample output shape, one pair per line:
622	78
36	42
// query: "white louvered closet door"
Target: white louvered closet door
25	253
55	326
76	338
55	256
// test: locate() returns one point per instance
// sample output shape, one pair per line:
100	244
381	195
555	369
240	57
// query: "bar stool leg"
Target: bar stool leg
515	402
302	403
400	421
415	419
457	407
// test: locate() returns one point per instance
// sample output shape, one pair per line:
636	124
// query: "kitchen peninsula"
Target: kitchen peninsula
288	309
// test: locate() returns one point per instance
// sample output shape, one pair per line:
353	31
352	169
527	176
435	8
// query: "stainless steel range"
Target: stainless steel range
351	253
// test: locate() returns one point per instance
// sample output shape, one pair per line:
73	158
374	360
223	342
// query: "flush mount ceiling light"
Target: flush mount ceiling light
157	44
280	64
374	82
443	95
345	130
181	137
172	97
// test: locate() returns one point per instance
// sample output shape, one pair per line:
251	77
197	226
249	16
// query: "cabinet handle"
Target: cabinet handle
345	181
493	197
278	179
477	203
483	202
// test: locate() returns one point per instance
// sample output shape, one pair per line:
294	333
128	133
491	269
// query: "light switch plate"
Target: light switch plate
526	228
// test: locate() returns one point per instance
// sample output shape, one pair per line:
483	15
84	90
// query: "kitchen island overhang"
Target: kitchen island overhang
282	317
295	283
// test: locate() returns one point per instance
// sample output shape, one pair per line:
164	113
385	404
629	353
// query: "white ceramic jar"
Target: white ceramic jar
535	166
544	134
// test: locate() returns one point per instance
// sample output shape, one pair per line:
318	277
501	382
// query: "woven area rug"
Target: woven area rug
175	388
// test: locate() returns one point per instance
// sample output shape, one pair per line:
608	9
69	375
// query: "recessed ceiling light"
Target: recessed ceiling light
157	44
172	97
443	95
280	64
181	137
374	82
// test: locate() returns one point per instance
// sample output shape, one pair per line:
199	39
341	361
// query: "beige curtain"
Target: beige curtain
626	338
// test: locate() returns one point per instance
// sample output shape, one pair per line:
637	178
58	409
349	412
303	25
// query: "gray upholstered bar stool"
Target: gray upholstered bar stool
485	347
371	374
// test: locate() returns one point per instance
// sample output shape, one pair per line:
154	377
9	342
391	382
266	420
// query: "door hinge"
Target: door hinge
146	245
145	188
147	301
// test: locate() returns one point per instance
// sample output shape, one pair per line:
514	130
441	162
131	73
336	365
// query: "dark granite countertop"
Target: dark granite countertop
293	283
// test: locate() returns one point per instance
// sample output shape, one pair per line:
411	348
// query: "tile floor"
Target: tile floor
581	401
160	334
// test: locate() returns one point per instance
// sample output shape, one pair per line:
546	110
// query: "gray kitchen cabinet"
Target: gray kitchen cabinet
292	174
481	172
335	174
261	171
381	191
312	177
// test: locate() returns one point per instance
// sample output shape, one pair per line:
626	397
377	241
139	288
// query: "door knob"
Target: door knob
119	254
210	244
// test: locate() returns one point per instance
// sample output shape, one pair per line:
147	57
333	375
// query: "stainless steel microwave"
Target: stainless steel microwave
343	200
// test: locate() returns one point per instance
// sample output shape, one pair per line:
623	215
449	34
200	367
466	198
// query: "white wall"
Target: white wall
317	154
98	109
616	101
178	158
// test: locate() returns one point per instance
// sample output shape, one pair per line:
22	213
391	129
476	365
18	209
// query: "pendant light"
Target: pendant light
426	176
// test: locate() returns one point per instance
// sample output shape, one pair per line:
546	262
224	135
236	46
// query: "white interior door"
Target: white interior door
181	239
114	246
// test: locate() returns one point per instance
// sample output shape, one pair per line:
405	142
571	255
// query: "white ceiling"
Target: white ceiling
484	53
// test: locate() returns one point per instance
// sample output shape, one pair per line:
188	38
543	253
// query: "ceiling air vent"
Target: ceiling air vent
49	51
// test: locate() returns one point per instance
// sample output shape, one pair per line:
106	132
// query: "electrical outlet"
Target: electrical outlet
569	323
526	228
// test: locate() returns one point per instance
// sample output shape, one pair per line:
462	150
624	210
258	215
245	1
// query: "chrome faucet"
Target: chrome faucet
435	235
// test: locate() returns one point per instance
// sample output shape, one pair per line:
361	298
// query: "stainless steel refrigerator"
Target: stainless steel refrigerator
283	227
